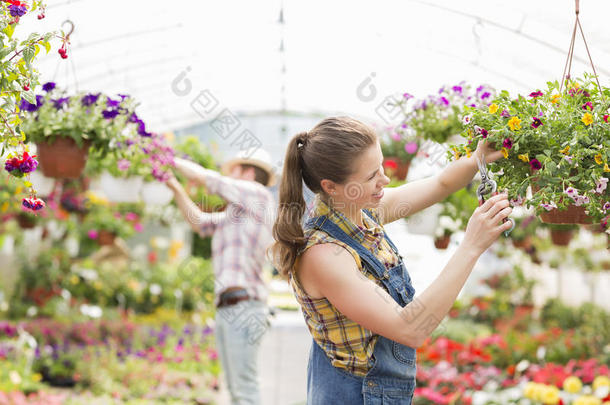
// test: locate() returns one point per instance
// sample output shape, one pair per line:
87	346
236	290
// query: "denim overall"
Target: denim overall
391	380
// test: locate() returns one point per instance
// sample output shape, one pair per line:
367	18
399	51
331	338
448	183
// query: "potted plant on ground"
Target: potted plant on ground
556	141
525	229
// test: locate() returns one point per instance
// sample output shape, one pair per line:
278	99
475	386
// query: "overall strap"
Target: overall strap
323	223
387	238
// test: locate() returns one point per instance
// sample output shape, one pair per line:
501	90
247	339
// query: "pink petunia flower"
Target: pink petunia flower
123	164
411	147
93	234
549	206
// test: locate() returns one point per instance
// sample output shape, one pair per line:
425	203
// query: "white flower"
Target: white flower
14	377
600	185
31	312
155	289
466	119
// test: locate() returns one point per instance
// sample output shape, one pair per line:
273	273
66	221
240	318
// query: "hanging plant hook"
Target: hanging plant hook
71	24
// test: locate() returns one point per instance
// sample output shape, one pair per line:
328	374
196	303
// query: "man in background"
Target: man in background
240	237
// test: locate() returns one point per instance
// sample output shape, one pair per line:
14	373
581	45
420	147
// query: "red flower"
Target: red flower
536	94
535	164
390	164
587	106
606	118
536	122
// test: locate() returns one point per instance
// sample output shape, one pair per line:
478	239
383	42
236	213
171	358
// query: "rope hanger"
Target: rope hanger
568	65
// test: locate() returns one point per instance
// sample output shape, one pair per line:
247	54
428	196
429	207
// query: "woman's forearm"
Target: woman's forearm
191	171
426	311
458	174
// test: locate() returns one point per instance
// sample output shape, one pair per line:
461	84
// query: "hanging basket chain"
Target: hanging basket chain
568	65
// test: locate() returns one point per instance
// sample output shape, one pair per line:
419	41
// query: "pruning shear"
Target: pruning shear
489	186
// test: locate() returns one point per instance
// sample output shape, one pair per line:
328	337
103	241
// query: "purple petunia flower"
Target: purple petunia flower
60	102
17	11
411	147
481	131
505	114
112	103
606	206
407	96
90	99
49	86
536	94
110	114
508	143
535	164
142	129
457	89
536	122
485	95
444	100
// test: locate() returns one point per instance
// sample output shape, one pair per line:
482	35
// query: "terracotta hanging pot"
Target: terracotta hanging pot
26	221
561	237
62	158
571	215
402	168
442	242
105	238
525	243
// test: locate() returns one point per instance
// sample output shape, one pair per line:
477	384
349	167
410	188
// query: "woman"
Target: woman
353	287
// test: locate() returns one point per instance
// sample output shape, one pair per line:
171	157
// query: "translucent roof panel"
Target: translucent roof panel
230	51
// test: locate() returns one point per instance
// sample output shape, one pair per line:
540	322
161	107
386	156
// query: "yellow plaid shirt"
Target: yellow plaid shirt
348	345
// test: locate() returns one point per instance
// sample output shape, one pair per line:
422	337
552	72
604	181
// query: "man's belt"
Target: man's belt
232	297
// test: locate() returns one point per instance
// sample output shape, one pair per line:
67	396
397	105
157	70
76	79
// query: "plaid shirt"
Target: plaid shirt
241	233
347	344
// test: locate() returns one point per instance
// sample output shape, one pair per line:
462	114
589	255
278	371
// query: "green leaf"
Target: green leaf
9	30
547	152
29	96
47	46
28	54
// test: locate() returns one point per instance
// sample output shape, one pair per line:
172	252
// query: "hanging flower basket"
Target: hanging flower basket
156	193
572	215
395	168
117	189
26	221
105	238
62	158
442	243
561	237
525	243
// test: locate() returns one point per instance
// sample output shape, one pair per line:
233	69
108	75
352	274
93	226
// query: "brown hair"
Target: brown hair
326	152
260	175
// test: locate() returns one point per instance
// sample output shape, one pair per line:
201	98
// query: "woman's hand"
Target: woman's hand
485	224
486	150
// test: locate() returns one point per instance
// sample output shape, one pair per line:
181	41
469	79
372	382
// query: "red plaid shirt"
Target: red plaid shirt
241	233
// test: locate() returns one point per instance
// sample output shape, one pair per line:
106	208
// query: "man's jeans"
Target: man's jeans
239	331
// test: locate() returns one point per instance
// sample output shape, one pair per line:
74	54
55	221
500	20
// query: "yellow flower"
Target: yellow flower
587	119
36	377
174	249
468	152
555	98
587	400
598	159
505	152
493	108
98	285
606	168
572	384
524	157
4	207
532	390
601	381
456	153
74	279
514	123
550	395
565	150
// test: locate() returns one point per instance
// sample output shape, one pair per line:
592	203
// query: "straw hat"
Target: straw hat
253	156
